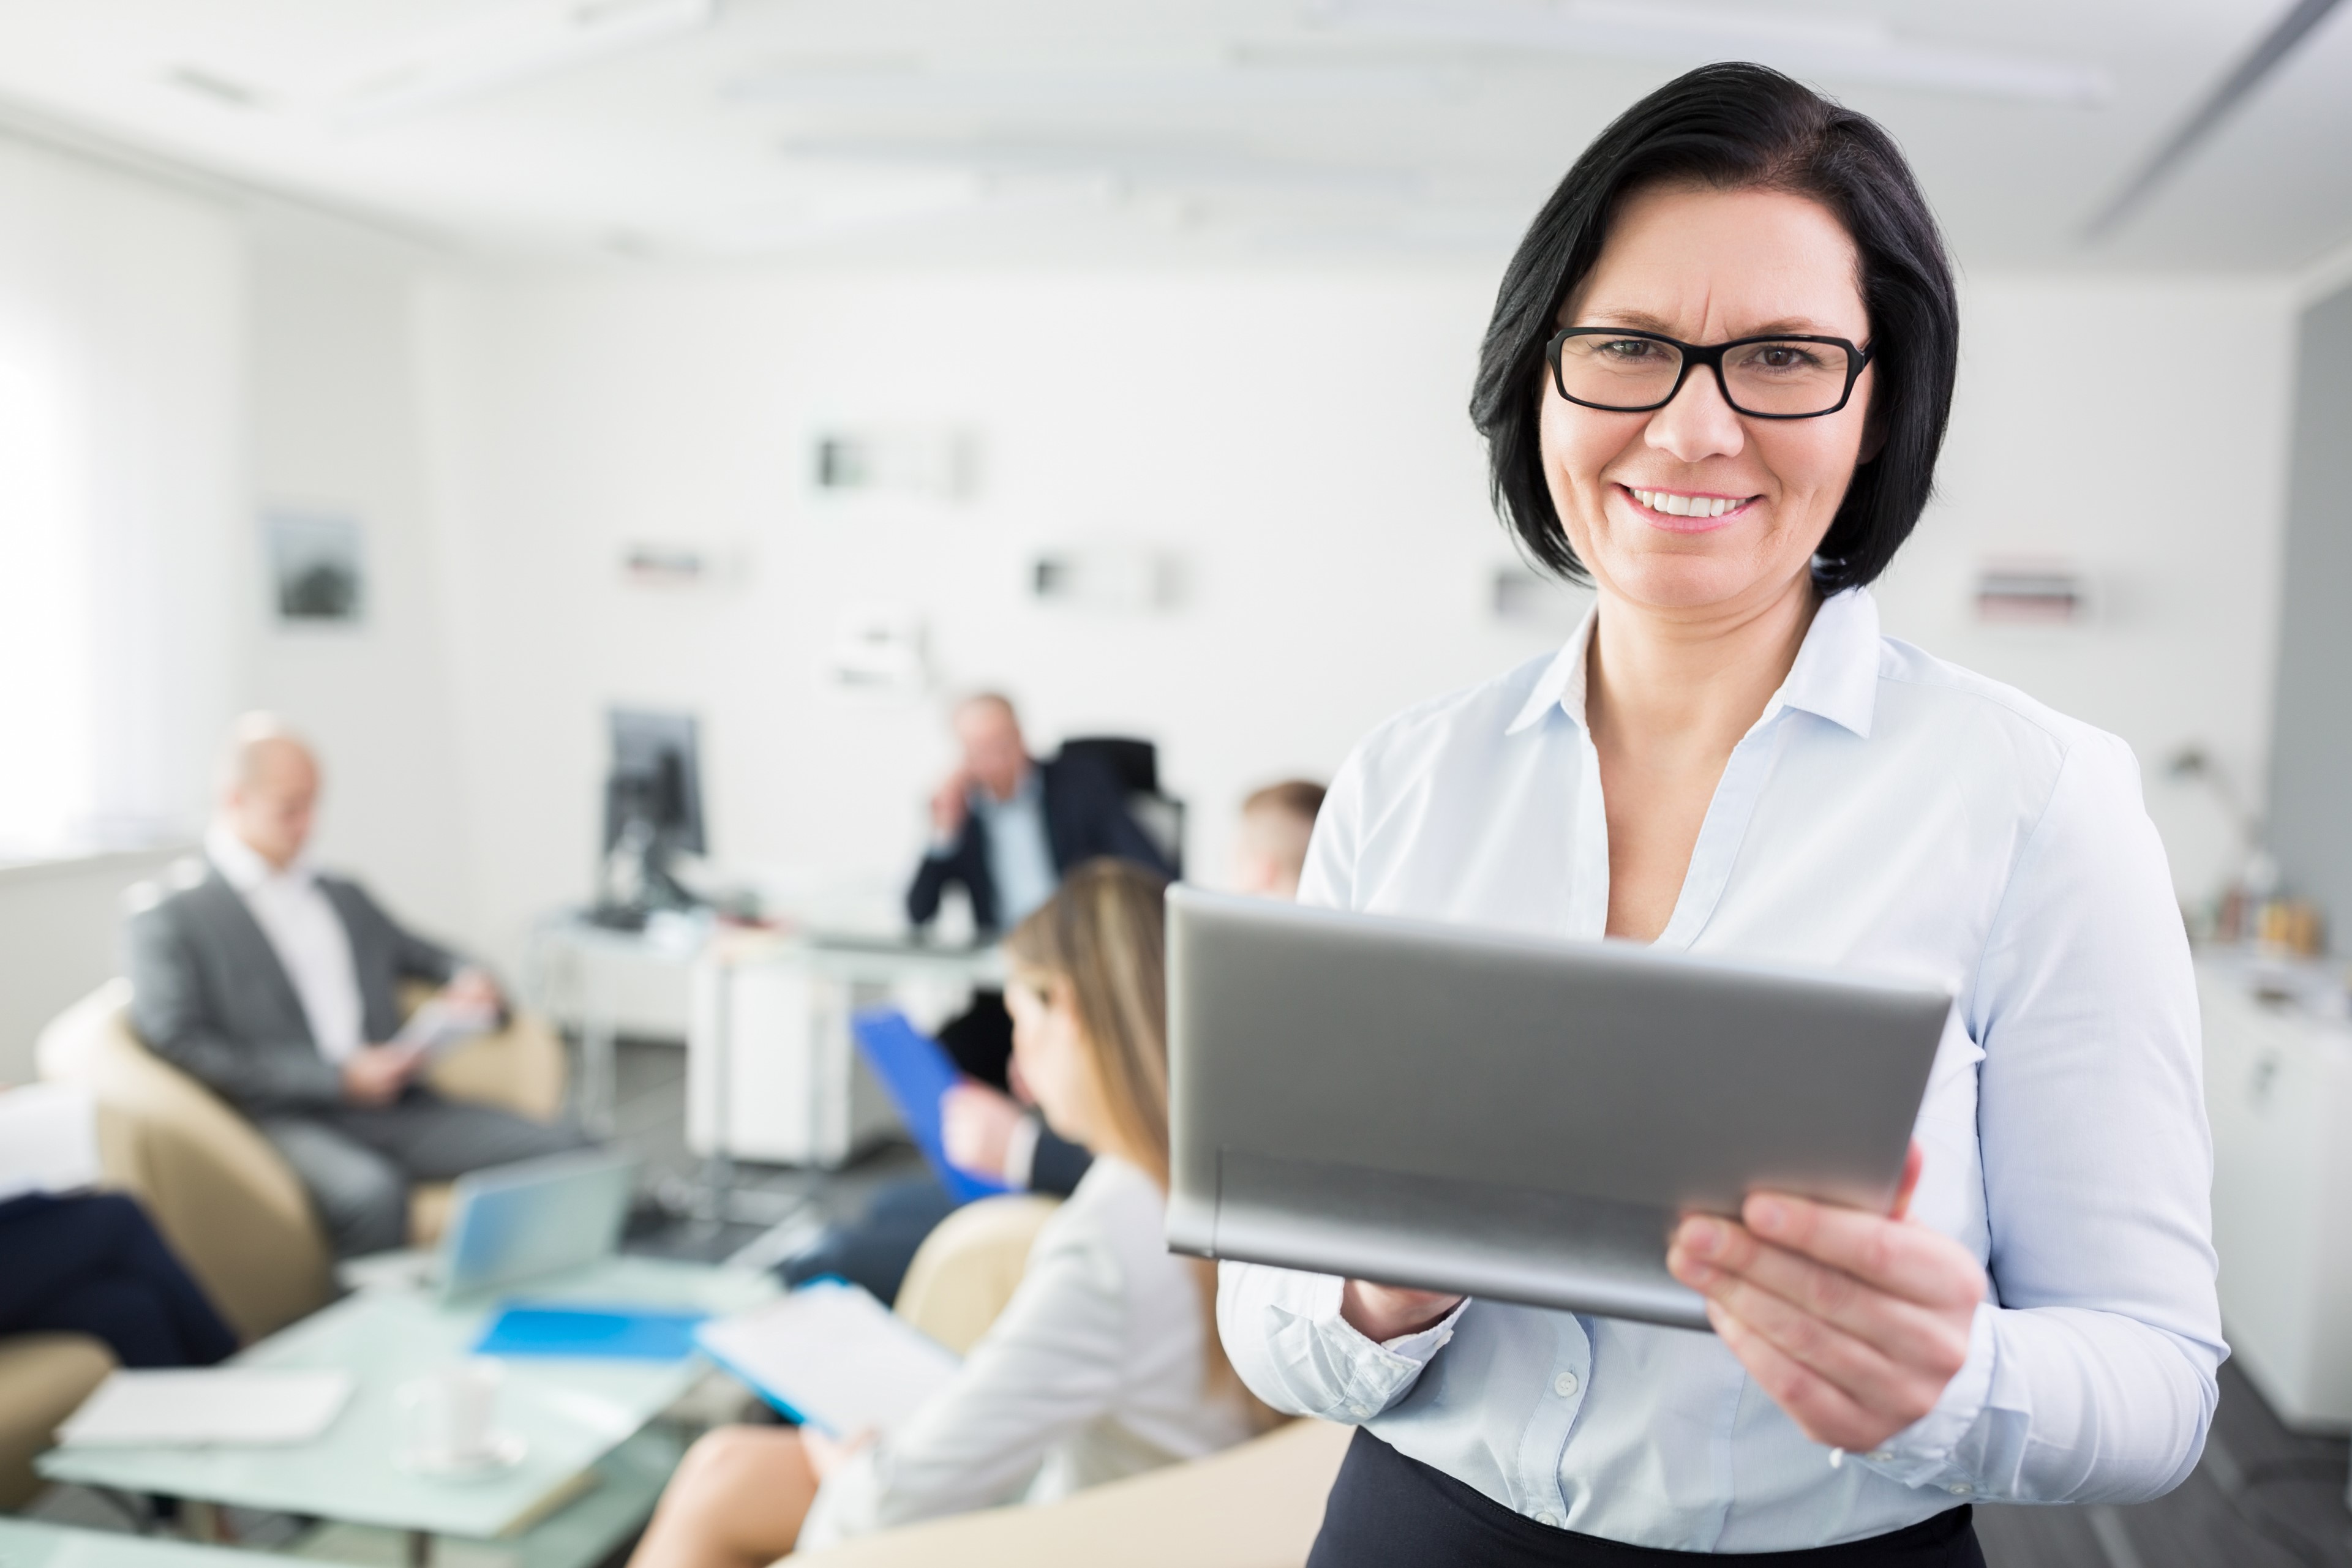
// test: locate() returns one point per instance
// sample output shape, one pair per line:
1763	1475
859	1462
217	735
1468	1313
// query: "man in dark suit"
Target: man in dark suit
277	986
1006	826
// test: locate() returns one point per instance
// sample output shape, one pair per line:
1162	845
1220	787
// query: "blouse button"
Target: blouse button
1551	1519
1359	1411
1959	1489
1564	1384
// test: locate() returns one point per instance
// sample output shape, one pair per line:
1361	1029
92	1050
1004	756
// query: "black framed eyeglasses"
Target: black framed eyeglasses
1623	371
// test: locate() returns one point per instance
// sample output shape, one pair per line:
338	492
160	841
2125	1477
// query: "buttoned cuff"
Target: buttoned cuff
1369	1377
1922	1453
1021	1152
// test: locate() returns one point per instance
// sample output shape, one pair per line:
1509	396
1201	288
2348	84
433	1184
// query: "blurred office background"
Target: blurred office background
794	363
442	373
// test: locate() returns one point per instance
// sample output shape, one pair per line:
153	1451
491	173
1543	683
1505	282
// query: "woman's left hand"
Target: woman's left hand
1853	1323
826	1455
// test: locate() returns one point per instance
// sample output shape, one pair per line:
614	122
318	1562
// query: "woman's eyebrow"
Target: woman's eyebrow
1643	321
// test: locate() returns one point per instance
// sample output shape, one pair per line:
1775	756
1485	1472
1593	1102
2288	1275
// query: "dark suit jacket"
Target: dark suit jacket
1086	816
208	994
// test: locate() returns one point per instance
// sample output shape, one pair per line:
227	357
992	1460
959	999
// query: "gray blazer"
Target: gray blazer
208	994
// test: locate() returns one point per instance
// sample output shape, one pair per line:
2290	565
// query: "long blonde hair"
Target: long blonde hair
1103	935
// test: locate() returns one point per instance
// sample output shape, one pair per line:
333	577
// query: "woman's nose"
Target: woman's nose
1698	424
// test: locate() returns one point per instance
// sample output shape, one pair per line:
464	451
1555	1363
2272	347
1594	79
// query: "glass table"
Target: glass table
27	1544
589	1470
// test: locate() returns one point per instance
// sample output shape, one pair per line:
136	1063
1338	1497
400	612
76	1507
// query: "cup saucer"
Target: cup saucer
501	1452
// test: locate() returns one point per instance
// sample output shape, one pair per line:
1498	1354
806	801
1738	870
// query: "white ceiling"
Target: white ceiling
1038	128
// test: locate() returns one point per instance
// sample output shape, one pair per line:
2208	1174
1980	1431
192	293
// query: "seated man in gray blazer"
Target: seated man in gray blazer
276	985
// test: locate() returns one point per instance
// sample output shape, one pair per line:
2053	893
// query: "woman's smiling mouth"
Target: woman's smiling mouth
1686	511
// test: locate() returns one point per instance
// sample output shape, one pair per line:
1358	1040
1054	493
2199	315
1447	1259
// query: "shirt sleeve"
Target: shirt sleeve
2091	1376
1282	1333
1051	1364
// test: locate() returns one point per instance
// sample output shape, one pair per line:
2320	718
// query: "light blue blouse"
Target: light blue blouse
1890	814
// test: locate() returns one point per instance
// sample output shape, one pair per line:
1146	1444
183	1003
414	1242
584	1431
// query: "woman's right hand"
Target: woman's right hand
1383	1313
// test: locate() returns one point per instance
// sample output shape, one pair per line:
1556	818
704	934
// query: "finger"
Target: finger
1821	1410
1716	1257
1909	1261
1913	1164
1892	1386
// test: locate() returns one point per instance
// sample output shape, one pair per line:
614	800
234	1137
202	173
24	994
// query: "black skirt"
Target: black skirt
1386	1509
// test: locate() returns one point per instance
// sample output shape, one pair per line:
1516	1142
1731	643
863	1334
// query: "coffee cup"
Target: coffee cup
452	1414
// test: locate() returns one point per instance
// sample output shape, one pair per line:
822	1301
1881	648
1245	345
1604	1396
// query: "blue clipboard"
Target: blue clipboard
917	1072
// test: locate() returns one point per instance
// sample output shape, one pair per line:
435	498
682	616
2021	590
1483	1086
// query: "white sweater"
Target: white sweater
1095	1370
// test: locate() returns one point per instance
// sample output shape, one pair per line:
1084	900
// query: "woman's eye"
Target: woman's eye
1630	348
1783	357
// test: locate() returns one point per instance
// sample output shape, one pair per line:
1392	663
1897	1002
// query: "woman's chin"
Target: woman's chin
1684	579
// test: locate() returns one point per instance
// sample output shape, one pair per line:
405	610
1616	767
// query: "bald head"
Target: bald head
994	754
269	788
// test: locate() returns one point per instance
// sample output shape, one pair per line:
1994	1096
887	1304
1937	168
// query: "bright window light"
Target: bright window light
45	707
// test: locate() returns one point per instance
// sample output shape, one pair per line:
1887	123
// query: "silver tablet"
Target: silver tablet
1512	1116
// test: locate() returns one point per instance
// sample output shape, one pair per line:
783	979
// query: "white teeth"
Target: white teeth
1675	505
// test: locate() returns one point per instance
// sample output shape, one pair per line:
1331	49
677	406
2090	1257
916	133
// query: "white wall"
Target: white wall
2083	431
215	355
336	427
1300	441
58	924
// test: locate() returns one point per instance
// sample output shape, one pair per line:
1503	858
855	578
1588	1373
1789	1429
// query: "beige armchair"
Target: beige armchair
1255	1506
229	1205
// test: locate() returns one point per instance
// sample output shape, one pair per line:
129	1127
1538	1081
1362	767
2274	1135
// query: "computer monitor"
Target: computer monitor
653	798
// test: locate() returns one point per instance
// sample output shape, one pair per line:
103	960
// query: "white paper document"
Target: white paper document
833	1355
48	1139
209	1407
440	1026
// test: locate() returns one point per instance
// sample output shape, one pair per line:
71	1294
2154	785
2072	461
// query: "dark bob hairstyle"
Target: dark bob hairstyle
1739	126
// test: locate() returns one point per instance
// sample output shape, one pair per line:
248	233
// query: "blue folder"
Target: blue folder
916	1073
603	1333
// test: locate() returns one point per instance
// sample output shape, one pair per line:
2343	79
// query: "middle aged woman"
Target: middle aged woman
1714	384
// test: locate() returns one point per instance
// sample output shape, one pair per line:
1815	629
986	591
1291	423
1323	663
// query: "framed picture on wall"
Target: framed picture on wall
317	566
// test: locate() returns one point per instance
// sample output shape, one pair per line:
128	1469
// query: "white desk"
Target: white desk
2278	1089
598	984
770	1039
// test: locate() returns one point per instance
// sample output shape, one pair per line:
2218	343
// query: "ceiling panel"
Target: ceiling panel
1046	128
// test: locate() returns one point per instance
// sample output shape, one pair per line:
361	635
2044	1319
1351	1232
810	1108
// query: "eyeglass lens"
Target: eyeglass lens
1769	378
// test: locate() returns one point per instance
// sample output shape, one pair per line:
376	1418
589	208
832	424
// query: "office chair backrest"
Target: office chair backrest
1136	764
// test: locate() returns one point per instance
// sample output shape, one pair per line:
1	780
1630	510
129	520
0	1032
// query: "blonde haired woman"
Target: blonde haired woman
1103	1365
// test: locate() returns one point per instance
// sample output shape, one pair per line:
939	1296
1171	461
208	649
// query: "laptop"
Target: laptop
1512	1116
917	1072
509	1224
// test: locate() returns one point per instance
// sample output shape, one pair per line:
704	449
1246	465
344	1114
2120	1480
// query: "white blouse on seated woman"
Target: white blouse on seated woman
1098	1368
